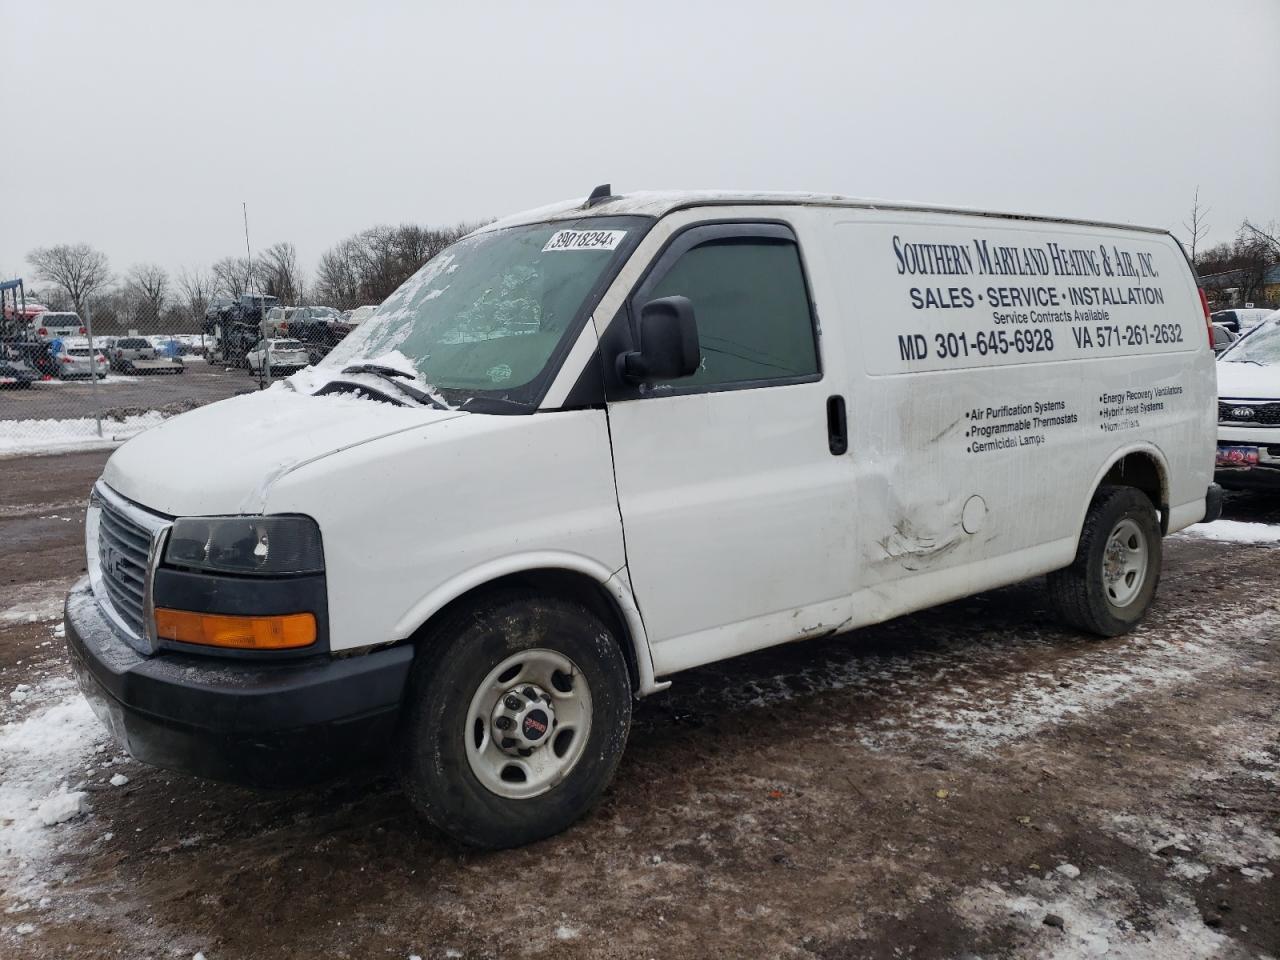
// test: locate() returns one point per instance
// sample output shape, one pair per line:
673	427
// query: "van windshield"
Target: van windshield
489	316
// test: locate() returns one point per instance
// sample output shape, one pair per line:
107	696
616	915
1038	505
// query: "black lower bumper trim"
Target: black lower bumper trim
259	724
1257	478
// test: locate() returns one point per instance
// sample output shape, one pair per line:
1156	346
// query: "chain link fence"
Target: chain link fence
73	379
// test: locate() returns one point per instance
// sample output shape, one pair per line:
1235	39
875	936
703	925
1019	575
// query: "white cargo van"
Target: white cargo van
591	446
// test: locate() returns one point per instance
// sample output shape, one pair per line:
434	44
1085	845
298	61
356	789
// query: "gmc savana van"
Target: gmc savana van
589	447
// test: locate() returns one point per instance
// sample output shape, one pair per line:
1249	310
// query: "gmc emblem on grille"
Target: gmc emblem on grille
112	561
1242	413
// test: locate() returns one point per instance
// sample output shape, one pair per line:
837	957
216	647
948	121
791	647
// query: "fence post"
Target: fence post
93	367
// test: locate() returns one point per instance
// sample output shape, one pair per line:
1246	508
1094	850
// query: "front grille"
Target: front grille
1264	414
123	550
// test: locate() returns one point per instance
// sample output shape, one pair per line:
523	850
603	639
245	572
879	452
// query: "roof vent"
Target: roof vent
599	195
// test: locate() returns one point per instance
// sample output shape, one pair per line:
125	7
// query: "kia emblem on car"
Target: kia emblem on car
1242	413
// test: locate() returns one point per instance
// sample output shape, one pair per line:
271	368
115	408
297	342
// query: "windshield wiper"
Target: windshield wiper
1245	360
390	374
378	369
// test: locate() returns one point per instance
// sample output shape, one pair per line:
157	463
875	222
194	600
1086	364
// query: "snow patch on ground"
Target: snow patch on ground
59	436
1101	916
1212	822
986	708
1221	839
42	758
108	381
1234	531
33	602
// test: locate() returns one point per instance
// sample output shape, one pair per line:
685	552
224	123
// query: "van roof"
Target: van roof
659	203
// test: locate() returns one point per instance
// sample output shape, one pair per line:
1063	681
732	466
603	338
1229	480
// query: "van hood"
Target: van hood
223	458
1248	381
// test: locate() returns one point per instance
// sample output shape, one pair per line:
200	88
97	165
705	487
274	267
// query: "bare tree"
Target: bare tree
1269	238
231	276
277	272
151	283
1237	269
1196	227
75	268
337	279
196	287
369	266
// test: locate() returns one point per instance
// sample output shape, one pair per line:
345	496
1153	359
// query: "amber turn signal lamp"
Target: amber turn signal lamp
285	632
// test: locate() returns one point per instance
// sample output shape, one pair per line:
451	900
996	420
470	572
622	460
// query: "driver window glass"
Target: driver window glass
752	311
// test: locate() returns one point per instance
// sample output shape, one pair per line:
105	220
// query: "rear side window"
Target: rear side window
752	310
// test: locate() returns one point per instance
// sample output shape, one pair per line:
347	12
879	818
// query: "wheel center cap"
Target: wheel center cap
1114	565
523	719
535	725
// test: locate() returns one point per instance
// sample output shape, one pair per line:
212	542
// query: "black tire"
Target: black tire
449	669
1079	593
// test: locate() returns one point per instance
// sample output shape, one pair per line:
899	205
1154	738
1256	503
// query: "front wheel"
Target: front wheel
1112	581
517	715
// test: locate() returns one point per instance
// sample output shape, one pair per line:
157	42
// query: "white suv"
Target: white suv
1249	409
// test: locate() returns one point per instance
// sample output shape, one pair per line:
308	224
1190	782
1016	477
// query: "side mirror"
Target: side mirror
668	343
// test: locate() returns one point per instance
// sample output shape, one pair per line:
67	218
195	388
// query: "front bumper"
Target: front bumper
1264	473
250	722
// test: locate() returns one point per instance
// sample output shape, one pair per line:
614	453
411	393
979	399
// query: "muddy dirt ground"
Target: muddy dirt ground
973	781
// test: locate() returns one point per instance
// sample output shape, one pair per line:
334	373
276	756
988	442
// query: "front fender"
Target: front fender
615	582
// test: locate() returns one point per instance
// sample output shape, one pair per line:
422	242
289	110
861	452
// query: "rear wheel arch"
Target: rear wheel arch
1141	467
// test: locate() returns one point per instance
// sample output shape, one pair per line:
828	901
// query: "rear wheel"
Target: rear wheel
1112	581
517	714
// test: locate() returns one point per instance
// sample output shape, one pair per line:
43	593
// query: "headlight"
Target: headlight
253	545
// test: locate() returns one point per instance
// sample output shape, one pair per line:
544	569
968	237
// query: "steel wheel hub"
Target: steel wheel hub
1124	563
528	723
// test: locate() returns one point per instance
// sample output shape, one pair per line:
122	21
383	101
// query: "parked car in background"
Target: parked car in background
192	344
77	360
57	325
287	355
360	314
1223	337
235	329
320	314
15	373
139	355
277	319
35	354
1249	410
23	312
1241	320
216	308
320	329
123	351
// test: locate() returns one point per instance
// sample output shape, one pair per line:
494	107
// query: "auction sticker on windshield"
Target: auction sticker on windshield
584	240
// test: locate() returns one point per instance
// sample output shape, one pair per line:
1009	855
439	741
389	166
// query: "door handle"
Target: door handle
837	426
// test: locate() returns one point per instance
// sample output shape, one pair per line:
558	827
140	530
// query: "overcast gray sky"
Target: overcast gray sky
139	127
